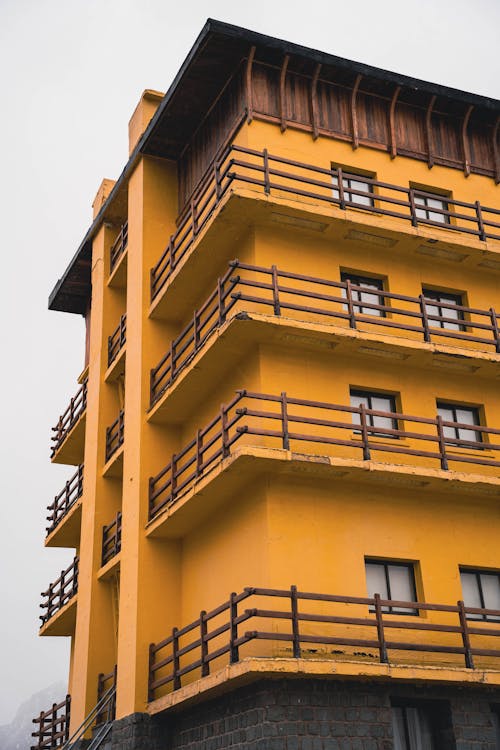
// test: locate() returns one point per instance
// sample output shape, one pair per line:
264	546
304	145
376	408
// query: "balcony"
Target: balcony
111	539
118	248
114	441
69	433
60	511
327	634
59	616
265	422
116	344
248	289
106	698
52	726
279	177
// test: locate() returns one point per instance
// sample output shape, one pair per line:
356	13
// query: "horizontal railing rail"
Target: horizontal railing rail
117	340
302	425
106	685
284	293
301	619
60	591
271	173
64	501
112	539
118	247
69	418
52	726
115	435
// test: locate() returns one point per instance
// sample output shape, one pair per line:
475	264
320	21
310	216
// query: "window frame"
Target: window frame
433	297
386	562
349	175
475	410
359	280
361	392
478	572
424	207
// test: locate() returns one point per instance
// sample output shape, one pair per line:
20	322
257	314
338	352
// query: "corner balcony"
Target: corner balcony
115	435
264	432
59	603
65	514
328	309
320	195
118	259
69	434
111	539
116	350
52	726
265	631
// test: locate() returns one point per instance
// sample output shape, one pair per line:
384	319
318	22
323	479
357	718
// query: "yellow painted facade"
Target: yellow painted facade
266	516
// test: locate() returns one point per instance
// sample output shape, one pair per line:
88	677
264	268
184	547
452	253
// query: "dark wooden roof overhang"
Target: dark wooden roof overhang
218	50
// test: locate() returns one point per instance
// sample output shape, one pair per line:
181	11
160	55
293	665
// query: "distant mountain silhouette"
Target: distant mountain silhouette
17	734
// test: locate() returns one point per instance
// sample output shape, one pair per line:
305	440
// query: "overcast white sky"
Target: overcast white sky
71	72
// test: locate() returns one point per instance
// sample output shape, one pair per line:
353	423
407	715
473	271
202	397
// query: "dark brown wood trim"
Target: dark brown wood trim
393	147
496	155
283	122
428	132
354	113
465	141
314	101
248	78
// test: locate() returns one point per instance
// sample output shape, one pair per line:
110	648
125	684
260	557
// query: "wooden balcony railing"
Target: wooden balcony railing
112	539
302	426
300	619
60	592
117	340
114	435
105	685
283	293
118	247
52	726
69	418
64	501
315	184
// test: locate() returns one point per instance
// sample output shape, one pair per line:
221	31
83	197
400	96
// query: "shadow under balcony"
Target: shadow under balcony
59	603
68	438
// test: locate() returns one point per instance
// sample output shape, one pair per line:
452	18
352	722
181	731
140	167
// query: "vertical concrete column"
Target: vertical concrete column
150	569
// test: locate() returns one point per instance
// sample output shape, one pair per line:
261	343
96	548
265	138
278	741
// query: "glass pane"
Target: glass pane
433	310
424	741
382	403
398	729
466	416
335	181
401	583
362	187
491	590
470	592
375	580
357	400
470	435
373	299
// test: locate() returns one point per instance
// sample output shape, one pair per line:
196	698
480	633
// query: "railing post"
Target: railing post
364	432
350	305
194	223
284	421
496	329
276	291
469	661
61	589
223	428
173	478
66	498
196	335
380	631
480	223
267	181
205	664
68	716
217	181
442	443
199	452
171	253
53	726
172	360
295	622
151	657
175	659
425	319
340	183
234	653
220	302
413	210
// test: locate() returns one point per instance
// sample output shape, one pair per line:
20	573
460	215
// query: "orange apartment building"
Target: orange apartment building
283	511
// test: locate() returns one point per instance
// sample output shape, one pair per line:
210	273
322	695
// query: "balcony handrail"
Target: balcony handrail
260	170
270	288
106	684
117	340
191	649
111	539
65	500
118	247
115	435
69	418
316	423
60	591
53	725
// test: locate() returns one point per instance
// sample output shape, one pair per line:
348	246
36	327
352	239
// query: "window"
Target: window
424	205
368	297
376	402
412	728
464	415
392	580
351	182
481	589
434	307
